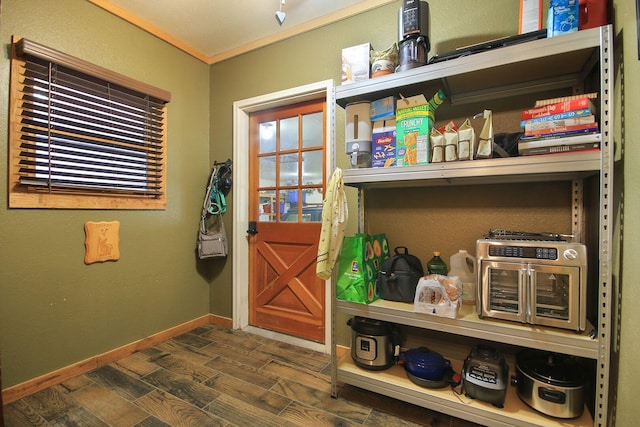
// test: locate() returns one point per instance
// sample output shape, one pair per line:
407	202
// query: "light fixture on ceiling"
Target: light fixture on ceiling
280	15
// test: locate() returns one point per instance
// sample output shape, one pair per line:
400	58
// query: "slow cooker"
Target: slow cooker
374	343
551	383
485	375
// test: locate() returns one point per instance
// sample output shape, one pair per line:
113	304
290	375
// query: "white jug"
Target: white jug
463	265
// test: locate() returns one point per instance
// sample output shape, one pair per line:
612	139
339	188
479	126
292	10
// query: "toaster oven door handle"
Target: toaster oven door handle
526	276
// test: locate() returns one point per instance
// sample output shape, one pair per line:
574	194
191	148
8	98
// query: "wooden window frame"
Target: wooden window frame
22	195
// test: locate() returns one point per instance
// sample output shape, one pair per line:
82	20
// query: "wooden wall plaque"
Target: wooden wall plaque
102	241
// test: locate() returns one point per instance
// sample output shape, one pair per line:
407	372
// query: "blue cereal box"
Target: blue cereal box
562	17
383	109
384	144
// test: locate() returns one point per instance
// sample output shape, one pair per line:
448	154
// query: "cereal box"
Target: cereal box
383	109
384	144
414	118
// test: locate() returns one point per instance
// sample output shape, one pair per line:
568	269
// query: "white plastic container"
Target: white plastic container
358	134
463	265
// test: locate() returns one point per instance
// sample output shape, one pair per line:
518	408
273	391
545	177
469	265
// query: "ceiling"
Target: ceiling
215	30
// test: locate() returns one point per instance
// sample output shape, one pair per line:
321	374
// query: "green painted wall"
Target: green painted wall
54	309
627	136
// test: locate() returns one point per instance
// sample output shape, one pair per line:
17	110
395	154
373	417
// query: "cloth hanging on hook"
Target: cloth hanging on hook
334	220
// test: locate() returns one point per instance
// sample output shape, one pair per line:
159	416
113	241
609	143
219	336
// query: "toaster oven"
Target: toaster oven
536	282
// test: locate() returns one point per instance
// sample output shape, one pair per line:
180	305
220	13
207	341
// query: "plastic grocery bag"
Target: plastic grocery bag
361	259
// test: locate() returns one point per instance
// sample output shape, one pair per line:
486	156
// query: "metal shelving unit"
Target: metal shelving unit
541	65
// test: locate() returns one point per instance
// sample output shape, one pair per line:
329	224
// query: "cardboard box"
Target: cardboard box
562	17
384	144
383	109
355	63
530	16
414	119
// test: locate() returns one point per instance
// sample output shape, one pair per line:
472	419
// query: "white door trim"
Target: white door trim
240	266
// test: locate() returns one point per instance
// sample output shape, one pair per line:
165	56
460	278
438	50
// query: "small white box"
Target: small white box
355	63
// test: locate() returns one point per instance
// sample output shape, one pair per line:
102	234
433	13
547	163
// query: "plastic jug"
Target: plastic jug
463	265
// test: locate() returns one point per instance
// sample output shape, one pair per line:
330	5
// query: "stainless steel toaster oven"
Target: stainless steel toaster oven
532	281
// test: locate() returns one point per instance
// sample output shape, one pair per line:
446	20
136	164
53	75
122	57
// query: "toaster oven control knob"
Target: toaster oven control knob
570	254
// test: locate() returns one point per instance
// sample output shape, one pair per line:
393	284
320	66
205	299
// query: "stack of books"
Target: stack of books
560	125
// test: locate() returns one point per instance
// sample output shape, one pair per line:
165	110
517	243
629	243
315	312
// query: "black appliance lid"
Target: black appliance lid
551	368
422	356
364	325
487	353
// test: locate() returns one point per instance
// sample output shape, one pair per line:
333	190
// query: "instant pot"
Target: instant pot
374	343
485	375
551	383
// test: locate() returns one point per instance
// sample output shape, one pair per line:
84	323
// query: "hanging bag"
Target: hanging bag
212	236
212	242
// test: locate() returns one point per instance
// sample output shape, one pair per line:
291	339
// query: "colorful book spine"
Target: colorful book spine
542	102
560	107
564	131
556	141
557	124
559	116
559	149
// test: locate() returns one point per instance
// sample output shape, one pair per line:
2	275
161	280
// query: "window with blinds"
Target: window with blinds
83	136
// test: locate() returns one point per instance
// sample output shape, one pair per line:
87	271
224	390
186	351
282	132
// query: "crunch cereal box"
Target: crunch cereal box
414	117
413	121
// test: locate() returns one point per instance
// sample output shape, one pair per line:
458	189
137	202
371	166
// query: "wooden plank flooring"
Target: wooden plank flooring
214	376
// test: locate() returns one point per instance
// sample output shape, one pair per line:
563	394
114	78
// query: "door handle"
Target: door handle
253	229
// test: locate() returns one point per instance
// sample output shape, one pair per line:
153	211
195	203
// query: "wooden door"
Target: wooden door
285	201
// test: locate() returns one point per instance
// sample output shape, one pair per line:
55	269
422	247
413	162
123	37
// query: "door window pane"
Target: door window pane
267	132
312	167
288	169
312	130
268	171
268	206
289	134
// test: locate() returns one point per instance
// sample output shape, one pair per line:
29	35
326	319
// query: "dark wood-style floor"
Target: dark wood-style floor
213	376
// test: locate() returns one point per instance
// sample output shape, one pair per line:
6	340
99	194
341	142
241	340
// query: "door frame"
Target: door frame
240	265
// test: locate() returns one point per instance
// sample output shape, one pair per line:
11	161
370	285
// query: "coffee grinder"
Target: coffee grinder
413	34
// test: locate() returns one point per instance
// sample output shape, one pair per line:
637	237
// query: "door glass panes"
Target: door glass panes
312	167
267	136
268	206
289	134
267	171
288	169
312	205
289	212
552	295
289	163
503	290
312	130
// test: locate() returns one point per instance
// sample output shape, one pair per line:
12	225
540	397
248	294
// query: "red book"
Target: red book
560	107
562	129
